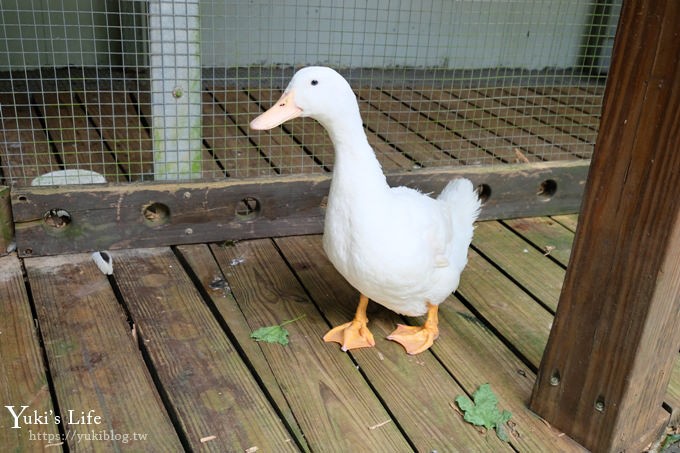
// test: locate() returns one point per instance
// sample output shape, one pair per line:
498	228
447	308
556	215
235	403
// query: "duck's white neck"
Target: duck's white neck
355	166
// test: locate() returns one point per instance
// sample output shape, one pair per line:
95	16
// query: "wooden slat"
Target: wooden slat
514	314
417	390
331	400
547	235
566	105
22	374
209	388
93	358
228	143
512	110
508	137
24	148
486	144
570	121
205	270
426	142
283	153
569	221
120	126
527	266
112	216
78	144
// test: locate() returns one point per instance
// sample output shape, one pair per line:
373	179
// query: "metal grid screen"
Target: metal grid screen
104	90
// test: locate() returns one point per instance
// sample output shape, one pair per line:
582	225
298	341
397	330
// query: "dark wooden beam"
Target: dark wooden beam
53	220
6	221
615	337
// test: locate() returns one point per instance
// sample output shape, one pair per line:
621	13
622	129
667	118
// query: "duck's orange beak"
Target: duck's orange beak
285	109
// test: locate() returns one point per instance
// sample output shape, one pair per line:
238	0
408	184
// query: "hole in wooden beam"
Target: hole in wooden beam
484	192
248	208
57	219
156	214
547	189
599	404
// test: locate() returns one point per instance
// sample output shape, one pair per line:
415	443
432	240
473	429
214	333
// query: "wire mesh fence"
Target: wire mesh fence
112	90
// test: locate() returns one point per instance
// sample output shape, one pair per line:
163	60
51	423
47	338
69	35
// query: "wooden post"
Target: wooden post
174	35
616	333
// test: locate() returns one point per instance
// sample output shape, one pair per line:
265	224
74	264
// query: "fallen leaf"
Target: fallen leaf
274	334
483	411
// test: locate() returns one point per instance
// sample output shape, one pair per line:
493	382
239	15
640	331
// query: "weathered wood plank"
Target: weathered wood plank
625	252
417	390
672	398
545	234
202	263
279	148
331	400
94	360
228	143
78	144
22	372
118	123
210	390
414	388
486	145
513	313
531	147
512	111
565	119
569	221
527	266
24	147
106	217
422	152
410	109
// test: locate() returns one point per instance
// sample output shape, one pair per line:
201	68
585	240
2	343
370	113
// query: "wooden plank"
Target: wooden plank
332	402
424	122
22	372
547	235
207	385
422	152
24	147
78	144
535	273
279	148
96	367
228	143
418	392
566	119
414	388
205	270
625	252
568	105
112	217
514	139
511	311
118	123
486	145
569	221
672	398
513	112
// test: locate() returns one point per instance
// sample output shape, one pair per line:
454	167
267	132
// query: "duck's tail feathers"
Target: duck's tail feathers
463	197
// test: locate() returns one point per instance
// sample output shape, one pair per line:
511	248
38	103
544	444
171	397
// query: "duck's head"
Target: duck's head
314	91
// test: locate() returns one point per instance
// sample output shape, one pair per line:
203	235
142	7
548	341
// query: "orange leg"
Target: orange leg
354	334
418	339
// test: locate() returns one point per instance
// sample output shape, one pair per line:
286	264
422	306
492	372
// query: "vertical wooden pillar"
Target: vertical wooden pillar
174	36
617	330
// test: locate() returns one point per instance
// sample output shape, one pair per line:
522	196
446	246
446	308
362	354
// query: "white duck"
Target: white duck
397	246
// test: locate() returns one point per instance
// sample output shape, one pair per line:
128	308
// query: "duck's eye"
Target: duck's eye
315	82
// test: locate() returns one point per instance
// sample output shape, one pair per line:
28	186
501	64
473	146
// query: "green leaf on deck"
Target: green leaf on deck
273	334
483	411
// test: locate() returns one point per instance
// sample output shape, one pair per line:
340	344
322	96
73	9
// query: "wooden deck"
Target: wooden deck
409	127
160	351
